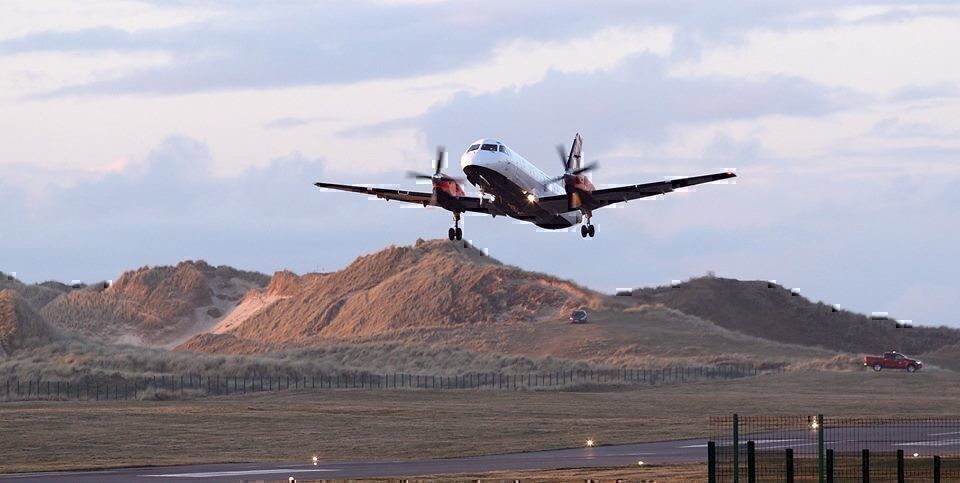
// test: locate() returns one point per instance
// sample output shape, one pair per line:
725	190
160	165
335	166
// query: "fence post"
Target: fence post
711	462
822	469
936	469
829	466
751	462
866	466
899	466
736	448
789	464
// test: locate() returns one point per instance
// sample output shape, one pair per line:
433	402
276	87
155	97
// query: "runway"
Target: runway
619	455
926	440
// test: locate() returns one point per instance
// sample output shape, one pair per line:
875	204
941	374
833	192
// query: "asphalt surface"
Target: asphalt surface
919	438
620	455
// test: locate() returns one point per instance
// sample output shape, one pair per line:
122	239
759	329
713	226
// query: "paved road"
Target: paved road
620	455
920	438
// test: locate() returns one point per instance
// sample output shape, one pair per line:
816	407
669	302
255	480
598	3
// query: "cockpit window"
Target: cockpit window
489	147
503	148
473	148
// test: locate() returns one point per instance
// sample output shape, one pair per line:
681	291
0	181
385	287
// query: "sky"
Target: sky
146	133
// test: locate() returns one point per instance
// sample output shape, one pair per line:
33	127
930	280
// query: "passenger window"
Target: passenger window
473	148
489	147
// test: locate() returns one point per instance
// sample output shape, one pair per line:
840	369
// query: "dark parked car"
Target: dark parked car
578	317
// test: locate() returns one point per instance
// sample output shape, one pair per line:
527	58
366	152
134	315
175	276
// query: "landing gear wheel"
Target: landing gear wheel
591	230
455	233
584	231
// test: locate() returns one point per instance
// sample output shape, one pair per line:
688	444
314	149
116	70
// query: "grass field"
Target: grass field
648	473
375	425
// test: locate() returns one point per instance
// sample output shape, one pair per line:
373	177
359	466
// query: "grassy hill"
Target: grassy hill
20	326
770	311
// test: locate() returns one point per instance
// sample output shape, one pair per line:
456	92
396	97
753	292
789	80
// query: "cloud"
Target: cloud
167	208
237	46
636	101
23	18
872	57
292	122
37	73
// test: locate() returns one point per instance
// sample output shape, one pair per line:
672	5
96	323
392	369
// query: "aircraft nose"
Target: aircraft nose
467	159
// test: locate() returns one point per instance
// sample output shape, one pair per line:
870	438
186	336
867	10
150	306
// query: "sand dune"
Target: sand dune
157	306
435	296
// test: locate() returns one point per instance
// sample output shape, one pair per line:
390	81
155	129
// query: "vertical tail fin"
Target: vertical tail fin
576	153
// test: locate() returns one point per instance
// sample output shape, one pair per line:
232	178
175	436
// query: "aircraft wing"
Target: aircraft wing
466	203
387	194
600	198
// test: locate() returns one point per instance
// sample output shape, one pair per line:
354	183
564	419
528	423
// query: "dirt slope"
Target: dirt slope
154	306
20	325
769	311
434	284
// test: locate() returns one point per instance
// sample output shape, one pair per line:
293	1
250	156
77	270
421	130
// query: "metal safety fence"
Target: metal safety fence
199	385
834	449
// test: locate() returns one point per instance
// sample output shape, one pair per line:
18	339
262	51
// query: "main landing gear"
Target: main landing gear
587	229
455	233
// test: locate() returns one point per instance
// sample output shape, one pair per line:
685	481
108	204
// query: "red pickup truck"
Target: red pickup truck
892	360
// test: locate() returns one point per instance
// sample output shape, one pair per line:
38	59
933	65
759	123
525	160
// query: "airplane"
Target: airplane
511	186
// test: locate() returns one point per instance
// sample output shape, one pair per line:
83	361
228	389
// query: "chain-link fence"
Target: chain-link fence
774	448
168	386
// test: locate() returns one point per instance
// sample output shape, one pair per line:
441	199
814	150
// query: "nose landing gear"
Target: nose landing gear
455	233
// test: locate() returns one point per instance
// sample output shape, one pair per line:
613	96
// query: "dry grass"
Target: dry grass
645	474
365	425
78	360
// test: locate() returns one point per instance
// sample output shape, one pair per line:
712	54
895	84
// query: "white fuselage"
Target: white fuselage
497	170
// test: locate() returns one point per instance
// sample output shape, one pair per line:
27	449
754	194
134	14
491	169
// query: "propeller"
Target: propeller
437	176
567	160
570	172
